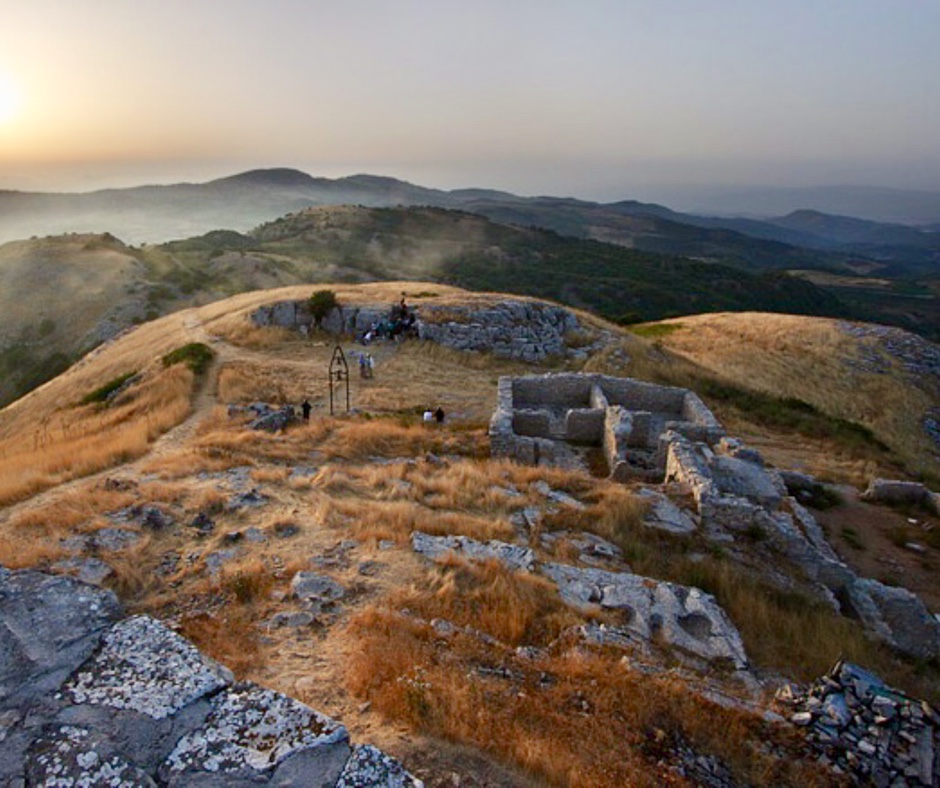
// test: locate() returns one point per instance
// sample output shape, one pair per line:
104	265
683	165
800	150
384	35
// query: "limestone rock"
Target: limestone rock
370	766
84	702
908	623
685	618
146	667
592	548
48	627
71	756
889	491
434	547
312	586
556	496
665	515
252	731
93	571
273	420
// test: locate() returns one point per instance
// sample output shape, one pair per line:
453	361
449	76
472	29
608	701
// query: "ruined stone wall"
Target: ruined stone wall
519	330
552	391
637	395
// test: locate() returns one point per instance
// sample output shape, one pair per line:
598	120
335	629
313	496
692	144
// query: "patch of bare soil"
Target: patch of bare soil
895	547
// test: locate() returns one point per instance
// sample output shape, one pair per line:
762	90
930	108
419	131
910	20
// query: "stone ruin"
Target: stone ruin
551	419
663	435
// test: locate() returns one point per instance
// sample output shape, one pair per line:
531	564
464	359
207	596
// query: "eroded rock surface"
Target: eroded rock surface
683	617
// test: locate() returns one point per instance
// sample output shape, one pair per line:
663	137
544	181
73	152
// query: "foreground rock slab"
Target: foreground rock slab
87	699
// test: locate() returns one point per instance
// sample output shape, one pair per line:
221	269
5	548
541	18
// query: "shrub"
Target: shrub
195	355
102	393
321	302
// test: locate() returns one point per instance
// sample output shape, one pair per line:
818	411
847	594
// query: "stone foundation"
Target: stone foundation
552	415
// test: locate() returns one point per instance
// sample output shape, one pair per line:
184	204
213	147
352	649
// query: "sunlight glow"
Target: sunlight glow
9	99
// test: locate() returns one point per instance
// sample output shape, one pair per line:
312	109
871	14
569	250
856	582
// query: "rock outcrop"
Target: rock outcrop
684	618
89	699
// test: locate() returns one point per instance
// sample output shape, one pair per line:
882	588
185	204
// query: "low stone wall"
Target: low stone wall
527	331
552	391
521	330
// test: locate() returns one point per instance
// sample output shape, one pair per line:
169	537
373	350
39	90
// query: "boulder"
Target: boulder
901	617
902	493
664	515
86	701
48	627
275	420
316	588
368	765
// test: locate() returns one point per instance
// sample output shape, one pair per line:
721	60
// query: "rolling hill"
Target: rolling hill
131	284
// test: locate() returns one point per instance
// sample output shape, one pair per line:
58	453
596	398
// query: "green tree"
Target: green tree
321	302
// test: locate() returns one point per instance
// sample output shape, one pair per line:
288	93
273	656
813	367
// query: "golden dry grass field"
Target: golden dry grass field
508	696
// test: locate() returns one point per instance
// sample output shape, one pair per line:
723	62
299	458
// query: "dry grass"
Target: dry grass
227	628
32	537
375	520
813	360
571	717
69	443
229	636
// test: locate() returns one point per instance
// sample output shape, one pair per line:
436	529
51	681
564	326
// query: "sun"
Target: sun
9	99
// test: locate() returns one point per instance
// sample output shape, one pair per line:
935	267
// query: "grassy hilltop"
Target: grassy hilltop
349	490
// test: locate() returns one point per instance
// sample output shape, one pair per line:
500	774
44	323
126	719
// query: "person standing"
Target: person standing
305	408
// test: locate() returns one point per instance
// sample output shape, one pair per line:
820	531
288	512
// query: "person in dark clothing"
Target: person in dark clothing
439	415
306	407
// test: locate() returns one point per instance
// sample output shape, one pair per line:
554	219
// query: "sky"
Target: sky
599	99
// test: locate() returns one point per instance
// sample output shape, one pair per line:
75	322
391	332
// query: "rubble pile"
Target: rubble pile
867	730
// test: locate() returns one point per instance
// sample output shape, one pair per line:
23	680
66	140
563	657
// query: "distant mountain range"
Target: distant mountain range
154	214
875	203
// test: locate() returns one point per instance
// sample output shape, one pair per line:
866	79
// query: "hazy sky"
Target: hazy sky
594	98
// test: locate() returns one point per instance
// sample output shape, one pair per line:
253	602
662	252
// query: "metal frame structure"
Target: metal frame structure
339	374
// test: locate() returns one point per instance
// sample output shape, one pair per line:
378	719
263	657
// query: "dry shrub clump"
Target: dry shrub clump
228	636
229	632
32	537
569	717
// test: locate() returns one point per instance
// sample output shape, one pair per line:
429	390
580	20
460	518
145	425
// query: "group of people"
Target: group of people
399	323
